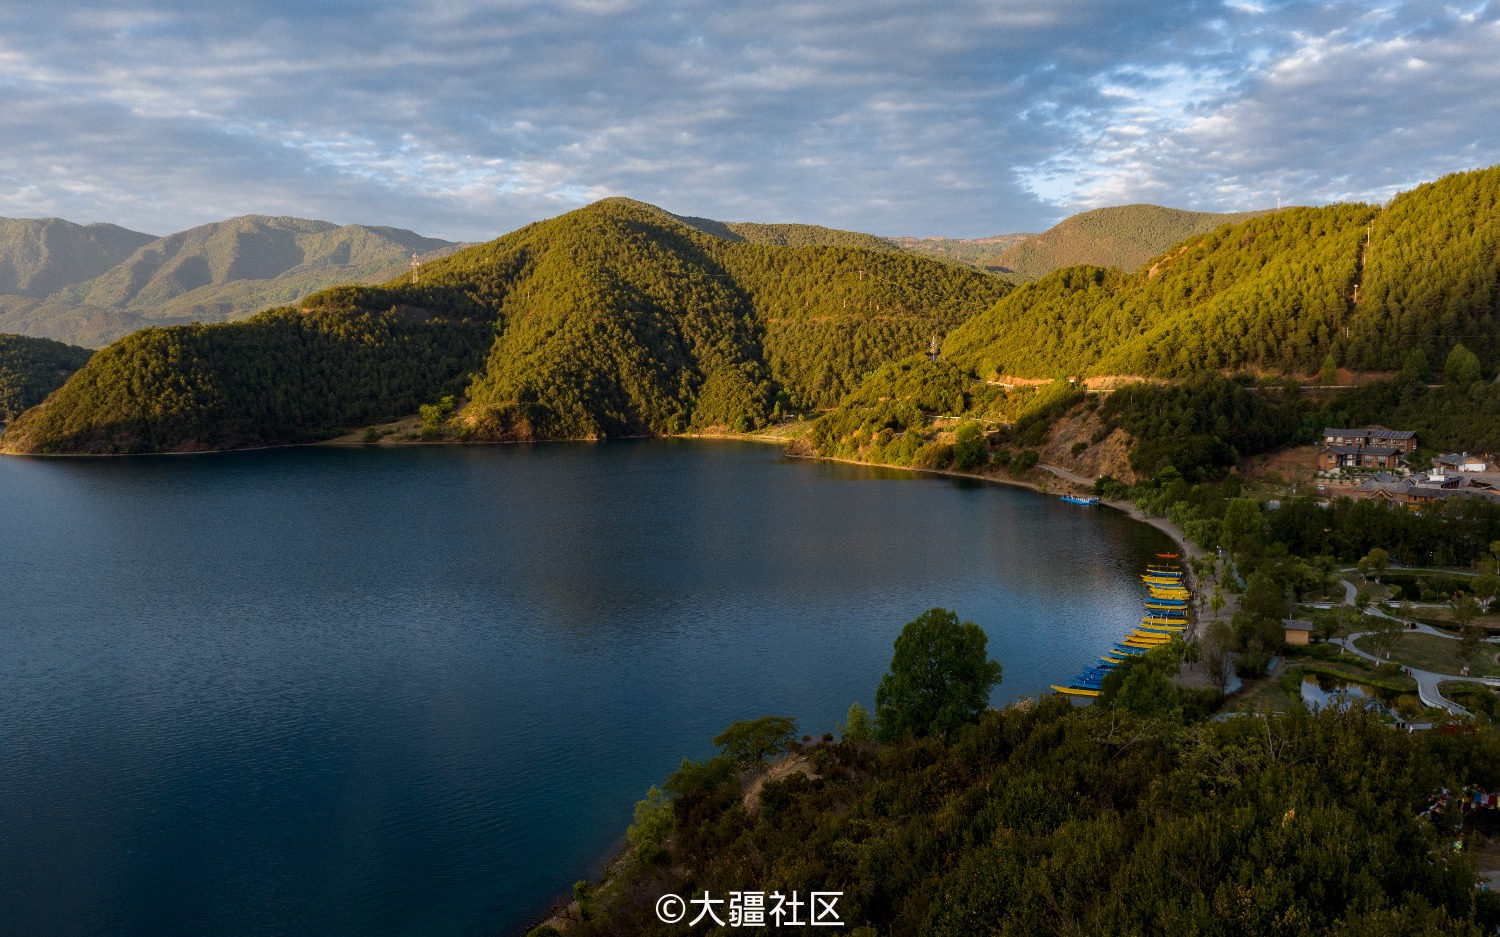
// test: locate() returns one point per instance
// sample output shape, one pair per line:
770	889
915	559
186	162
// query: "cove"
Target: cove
417	691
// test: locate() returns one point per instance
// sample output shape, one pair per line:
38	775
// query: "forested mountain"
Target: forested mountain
622	319
976	252
787	235
1124	236
1278	292
32	368
614	319
39	256
211	273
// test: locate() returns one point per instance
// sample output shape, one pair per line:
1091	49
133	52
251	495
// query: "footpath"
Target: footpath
1427	681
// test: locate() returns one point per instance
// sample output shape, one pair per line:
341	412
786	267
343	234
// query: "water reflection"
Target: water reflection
1319	691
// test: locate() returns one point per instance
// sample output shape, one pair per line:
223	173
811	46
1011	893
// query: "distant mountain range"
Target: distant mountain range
92	284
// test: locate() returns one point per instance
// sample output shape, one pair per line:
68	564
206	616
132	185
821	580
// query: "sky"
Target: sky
959	118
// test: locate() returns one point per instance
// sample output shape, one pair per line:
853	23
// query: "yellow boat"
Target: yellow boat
1160	629
1155	636
1074	691
1157	592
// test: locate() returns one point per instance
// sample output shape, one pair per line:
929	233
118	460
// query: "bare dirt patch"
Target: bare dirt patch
779	771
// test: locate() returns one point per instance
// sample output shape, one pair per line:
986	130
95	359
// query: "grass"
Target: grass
1440	655
1266	693
1472	696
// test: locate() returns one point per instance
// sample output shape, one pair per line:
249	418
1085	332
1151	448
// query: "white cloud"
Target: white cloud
463	118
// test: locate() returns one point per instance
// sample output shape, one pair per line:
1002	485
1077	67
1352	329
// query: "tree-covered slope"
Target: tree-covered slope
39	256
615	319
32	368
976	252
1050	820
1124	236
283	376
1277	292
214	273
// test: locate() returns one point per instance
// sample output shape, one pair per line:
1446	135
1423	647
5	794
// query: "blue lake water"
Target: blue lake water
417	691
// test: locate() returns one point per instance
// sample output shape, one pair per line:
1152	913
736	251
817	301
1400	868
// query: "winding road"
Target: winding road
1427	681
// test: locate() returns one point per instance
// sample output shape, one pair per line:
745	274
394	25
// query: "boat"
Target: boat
1074	499
1162	629
1167	556
1075	691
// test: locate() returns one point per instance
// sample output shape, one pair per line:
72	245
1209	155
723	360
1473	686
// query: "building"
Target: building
1437	484
1463	462
1373	449
1404	440
1297	631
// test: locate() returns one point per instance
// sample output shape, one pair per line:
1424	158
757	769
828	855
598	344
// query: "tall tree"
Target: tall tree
940	677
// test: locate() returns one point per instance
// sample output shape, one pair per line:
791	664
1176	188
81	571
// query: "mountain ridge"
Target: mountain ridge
214	272
621	319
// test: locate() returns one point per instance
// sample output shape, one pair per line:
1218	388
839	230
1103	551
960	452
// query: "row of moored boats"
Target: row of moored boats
1165	618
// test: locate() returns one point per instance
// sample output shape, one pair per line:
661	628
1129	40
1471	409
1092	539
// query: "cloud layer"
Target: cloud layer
963	117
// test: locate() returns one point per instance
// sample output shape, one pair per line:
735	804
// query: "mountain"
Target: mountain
213	273
616	319
32	368
787	235
620	319
983	253
39	256
1127	236
1367	285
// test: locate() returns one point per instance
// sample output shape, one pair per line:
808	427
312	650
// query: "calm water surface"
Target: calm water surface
416	692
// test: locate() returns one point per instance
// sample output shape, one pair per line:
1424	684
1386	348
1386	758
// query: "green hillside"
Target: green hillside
616	319
1124	236
32	368
787	235
283	376
621	319
213	273
1278	292
39	256
983	253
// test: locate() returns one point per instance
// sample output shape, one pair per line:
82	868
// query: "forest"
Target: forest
32	368
621	319
1046	819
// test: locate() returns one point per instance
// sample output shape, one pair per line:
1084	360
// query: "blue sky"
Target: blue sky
962	118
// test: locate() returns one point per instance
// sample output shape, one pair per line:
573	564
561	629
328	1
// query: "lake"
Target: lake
417	691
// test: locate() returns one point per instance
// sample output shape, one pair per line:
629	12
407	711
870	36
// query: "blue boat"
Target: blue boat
1074	499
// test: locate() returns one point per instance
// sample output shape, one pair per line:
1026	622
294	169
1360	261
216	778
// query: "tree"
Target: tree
940	677
1465	609
1468	645
1486	588
1462	366
1243	524
751	741
1383	638
1374	564
1329	374
1218	653
857	726
969	449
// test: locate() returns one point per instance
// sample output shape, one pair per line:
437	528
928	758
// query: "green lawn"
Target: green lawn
1439	655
